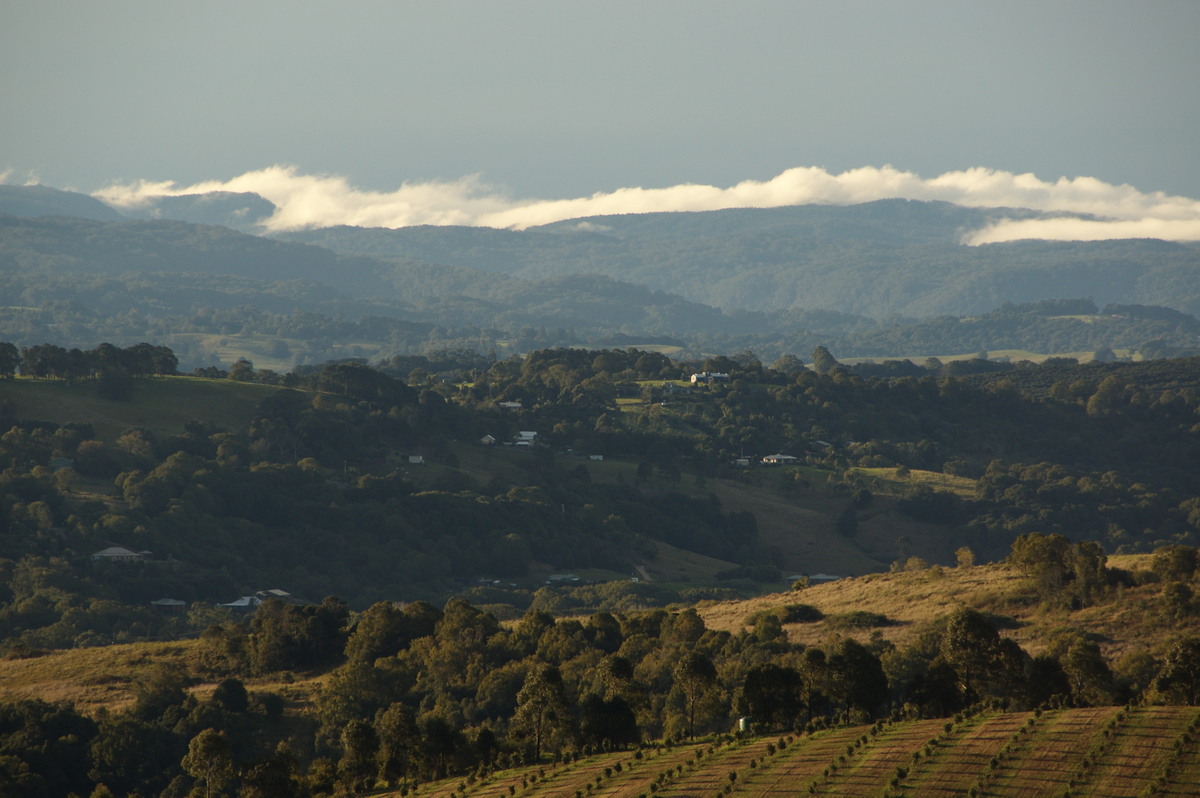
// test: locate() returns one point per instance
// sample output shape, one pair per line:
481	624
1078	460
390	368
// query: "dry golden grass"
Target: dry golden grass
104	677
908	599
90	678
889	480
1129	619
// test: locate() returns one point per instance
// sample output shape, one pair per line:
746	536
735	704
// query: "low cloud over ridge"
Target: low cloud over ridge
304	201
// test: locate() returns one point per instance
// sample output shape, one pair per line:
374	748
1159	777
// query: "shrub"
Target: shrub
858	619
799	613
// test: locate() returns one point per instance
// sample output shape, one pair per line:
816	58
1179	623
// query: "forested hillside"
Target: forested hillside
391	574
402	481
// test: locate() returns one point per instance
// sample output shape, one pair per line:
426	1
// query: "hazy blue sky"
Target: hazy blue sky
563	99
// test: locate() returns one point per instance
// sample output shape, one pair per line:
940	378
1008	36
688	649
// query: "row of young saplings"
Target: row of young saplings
1016	743
570	761
1167	770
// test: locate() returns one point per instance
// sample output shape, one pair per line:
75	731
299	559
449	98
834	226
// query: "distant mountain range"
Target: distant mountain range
240	211
881	259
886	278
33	201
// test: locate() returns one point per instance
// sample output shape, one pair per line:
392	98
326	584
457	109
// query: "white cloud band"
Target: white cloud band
323	200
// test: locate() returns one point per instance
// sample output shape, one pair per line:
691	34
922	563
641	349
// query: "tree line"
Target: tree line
57	362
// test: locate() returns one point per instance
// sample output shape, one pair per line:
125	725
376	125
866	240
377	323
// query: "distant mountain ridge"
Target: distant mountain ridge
882	279
883	259
880	259
34	201
241	211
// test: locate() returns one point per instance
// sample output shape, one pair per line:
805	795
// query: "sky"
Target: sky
510	113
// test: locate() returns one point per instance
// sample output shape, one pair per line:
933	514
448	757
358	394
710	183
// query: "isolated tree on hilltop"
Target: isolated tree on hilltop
788	364
822	361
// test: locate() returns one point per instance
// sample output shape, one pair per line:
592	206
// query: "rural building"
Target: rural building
169	605
281	595
119	554
250	603
779	459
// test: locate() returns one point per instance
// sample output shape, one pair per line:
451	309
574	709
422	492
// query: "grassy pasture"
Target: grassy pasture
104	677
680	565
1013	355
160	404
268	351
888	480
90	678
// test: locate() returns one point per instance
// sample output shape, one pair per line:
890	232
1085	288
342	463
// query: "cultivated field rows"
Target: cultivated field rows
1100	751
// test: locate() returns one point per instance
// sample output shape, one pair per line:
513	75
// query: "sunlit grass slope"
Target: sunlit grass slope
1130	618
